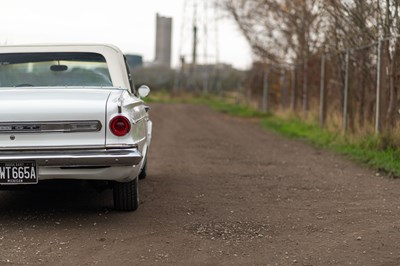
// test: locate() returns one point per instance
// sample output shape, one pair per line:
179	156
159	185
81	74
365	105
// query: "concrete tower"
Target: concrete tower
163	41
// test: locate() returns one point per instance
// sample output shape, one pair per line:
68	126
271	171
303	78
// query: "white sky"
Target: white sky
129	24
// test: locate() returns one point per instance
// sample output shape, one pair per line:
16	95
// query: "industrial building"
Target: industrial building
163	41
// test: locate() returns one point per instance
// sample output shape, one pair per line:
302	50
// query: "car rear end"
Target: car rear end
61	117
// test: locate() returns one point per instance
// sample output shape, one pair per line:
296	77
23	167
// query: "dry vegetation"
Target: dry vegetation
289	38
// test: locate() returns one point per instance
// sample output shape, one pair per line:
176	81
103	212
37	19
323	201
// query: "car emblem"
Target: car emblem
12	137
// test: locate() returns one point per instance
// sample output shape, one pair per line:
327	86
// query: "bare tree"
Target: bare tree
279	30
298	31
352	24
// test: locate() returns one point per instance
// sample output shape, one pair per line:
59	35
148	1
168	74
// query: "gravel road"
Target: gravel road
220	191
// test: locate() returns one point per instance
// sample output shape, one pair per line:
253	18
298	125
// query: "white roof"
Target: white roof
113	55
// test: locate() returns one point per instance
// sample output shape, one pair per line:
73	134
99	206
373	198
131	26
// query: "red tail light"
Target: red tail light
120	126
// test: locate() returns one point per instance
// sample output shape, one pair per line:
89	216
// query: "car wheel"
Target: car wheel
126	195
143	173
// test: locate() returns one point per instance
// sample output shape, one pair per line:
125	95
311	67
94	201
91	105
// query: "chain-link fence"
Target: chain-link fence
357	90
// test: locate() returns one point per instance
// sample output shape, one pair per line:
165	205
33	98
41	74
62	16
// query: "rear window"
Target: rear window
53	70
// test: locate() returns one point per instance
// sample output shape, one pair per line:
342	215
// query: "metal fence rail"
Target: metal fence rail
356	89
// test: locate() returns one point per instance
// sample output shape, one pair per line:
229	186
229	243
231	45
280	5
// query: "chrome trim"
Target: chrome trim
76	158
140	140
50	127
122	146
120	102
74	147
140	119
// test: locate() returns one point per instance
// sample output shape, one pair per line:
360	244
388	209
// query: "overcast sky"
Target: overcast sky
129	24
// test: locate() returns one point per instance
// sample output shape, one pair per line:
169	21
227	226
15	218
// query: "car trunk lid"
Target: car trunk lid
53	117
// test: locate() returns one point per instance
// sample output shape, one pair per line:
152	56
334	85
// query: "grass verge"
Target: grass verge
365	149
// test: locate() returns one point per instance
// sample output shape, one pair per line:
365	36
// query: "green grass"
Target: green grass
230	108
365	149
214	102
293	127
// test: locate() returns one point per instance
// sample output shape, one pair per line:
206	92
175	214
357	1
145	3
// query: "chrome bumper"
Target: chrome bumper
76	158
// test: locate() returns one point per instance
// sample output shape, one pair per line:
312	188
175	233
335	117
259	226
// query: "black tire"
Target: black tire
126	195
143	173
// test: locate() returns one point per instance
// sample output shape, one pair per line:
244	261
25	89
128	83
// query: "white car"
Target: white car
72	112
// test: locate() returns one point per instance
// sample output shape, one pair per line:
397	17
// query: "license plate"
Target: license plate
16	173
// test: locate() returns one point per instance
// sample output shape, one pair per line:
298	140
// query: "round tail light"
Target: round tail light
120	126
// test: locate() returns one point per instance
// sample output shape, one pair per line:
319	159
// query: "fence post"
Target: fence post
265	90
378	87
283	87
322	93
305	88
346	91
293	89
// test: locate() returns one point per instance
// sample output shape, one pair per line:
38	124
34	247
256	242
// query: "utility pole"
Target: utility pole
199	44
194	50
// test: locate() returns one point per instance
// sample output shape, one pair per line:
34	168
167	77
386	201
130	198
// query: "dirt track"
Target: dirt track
220	190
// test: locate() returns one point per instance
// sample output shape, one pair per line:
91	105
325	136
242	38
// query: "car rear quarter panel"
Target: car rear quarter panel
133	109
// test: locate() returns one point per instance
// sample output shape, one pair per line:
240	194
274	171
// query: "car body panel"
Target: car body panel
38	105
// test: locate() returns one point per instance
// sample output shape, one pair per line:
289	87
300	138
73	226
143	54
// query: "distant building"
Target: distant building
134	60
163	41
